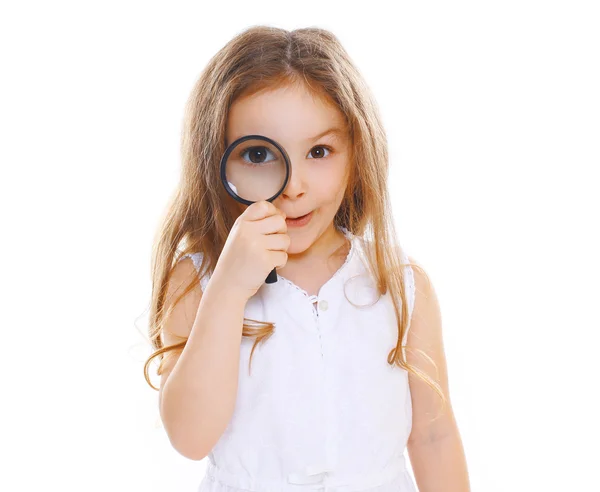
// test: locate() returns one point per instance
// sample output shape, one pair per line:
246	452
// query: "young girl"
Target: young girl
314	381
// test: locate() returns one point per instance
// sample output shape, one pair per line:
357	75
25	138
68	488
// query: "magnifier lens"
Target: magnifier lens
255	170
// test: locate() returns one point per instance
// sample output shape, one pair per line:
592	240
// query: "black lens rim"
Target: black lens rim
234	195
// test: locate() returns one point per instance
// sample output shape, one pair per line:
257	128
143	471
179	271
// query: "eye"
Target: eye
320	154
257	155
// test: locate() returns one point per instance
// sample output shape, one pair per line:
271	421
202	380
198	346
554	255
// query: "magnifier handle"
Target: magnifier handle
272	278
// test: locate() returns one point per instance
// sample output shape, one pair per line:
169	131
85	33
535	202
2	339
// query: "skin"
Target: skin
291	116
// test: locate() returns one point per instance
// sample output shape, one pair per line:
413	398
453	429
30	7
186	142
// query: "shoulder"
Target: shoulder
417	271
182	276
196	260
423	284
426	322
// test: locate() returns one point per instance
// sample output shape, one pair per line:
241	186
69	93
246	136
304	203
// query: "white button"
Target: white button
323	305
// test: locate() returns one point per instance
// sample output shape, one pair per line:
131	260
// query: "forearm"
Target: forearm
440	465
199	395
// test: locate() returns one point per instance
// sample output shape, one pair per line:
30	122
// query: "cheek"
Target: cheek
330	183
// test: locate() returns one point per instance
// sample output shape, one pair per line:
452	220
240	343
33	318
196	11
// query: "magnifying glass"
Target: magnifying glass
255	168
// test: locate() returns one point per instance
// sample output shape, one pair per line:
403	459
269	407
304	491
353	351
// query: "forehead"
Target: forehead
290	115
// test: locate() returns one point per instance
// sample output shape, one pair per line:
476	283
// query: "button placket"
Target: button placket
313	304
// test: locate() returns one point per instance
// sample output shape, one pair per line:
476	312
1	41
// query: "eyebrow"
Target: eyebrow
335	130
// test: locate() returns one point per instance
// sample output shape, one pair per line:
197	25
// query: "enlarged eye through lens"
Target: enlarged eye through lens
257	154
255	169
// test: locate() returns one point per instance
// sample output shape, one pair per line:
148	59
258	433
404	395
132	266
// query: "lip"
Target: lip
300	221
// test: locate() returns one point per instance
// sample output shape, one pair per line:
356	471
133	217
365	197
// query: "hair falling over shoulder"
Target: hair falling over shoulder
198	217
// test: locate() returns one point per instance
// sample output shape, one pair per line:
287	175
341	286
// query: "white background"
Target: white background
492	111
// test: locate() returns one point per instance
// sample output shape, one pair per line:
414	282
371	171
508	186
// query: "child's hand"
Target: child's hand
257	243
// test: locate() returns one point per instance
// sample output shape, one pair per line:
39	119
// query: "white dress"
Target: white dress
321	408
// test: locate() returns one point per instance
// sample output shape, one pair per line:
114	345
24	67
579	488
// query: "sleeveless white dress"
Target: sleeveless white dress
321	408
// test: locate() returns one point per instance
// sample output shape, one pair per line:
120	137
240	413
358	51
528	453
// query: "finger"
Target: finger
260	210
271	225
279	258
277	242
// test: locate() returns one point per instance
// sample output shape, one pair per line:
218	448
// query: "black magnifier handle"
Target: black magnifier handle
272	278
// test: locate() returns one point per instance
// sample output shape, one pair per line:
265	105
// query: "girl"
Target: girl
314	381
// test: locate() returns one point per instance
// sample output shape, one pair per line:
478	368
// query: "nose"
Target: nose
296	186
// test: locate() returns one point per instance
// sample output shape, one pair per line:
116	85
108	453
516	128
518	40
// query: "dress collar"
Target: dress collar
341	272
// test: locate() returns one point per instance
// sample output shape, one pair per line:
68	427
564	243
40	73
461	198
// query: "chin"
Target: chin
296	248
299	245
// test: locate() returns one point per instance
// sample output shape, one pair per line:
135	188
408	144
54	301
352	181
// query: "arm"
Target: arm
435	448
198	386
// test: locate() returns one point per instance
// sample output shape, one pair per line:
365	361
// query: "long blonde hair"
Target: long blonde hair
198	216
